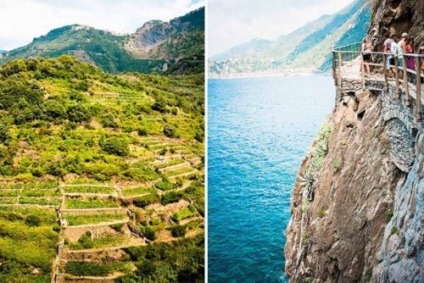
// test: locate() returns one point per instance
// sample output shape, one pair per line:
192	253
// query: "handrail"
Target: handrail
353	52
347	45
385	53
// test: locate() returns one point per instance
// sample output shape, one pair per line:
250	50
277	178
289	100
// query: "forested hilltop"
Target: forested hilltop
100	175
175	47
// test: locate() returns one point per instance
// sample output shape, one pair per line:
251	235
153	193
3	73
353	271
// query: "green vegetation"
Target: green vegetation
164	185
85	241
185	213
89	189
138	191
39	111
117	227
180	261
67	127
316	159
305	237
337	165
394	230
41	193
74	220
8	200
115	145
171	197
321	213
388	216
96	269
40	201
178	231
27	240
182	51
367	276
144	201
9	193
149	232
91	202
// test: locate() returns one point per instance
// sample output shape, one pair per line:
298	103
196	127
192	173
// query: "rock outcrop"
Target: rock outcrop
397	17
147	38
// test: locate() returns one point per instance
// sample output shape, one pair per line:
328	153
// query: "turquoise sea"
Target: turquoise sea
258	132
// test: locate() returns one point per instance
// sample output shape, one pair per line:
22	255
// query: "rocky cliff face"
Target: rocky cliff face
147	38
340	212
358	202
397	17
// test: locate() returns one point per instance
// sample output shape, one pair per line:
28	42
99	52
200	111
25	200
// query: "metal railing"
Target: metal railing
407	77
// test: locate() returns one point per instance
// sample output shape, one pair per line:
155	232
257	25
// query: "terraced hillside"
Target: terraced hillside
101	176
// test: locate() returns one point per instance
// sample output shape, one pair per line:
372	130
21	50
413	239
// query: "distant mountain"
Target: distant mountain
2	51
308	49
174	47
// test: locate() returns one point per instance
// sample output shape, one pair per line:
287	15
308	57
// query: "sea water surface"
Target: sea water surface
259	130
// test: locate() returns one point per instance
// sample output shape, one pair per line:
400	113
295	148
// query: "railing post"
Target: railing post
405	77
362	71
418	61
340	69
386	79
333	66
397	78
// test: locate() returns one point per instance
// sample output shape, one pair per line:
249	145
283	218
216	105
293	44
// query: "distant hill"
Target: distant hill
176	47
308	49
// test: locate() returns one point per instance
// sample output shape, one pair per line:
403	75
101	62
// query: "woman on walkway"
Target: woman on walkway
421	51
366	55
409	48
410	60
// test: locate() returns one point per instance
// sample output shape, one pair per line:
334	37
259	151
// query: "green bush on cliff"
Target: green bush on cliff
321	213
367	276
394	230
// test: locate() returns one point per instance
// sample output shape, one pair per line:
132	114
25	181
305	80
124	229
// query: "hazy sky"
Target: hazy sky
22	20
232	22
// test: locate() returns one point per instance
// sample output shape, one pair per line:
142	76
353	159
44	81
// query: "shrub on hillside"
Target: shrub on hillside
116	146
169	131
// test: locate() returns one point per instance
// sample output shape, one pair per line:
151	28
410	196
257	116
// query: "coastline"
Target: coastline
258	75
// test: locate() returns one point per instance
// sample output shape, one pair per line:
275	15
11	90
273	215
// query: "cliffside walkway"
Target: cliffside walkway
348	64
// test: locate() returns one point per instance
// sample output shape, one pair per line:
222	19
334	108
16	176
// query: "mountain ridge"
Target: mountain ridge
306	49
154	51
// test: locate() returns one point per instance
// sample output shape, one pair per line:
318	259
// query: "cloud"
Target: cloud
22	20
231	22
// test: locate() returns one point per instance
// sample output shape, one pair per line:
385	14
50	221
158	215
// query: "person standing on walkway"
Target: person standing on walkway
388	44
366	55
410	60
401	49
421	52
